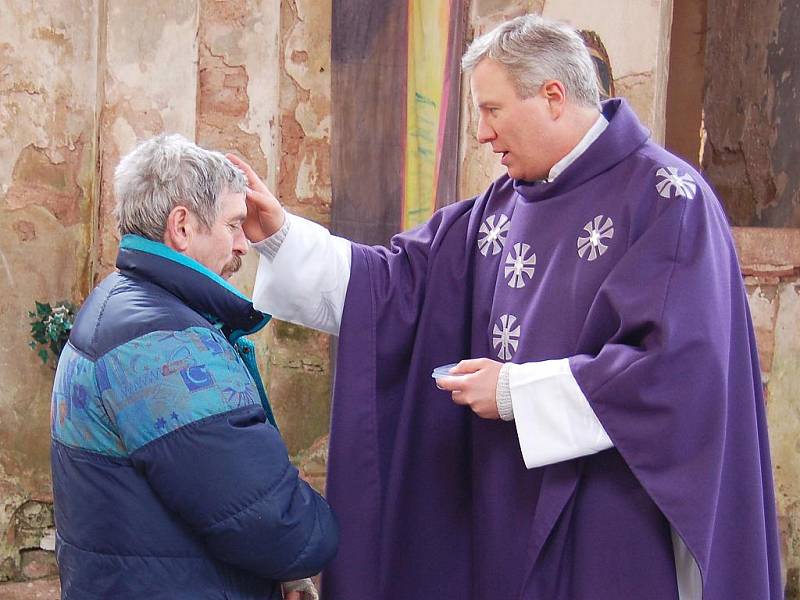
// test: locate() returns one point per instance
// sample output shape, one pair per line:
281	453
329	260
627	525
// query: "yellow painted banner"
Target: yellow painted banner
428	30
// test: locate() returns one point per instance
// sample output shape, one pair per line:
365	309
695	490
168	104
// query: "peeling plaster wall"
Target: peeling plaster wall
770	261
299	362
237	99
149	86
48	150
636	36
264	93
751	110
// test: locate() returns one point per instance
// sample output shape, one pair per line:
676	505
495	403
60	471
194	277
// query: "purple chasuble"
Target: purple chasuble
625	265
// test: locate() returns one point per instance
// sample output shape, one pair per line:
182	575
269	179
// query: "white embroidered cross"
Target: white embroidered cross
591	246
519	264
494	234
505	337
671	179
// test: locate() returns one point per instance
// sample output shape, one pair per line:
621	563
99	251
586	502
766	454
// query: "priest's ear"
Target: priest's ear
180	228
556	96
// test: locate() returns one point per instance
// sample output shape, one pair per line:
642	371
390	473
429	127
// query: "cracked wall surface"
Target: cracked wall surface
299	361
751	110
148	86
770	261
47	155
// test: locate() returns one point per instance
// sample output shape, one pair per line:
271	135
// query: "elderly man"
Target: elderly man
170	478
616	445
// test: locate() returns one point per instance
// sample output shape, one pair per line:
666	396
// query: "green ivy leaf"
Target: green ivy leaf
50	327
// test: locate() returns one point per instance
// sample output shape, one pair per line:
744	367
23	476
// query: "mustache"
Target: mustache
232	266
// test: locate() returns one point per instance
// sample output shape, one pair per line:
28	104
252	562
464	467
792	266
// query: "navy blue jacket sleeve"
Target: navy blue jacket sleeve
189	415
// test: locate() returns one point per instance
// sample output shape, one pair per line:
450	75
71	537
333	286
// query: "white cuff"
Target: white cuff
503	394
553	417
269	246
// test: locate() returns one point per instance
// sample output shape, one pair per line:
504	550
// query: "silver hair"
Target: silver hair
534	50
168	171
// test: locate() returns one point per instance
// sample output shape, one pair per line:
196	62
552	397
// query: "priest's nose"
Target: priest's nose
485	133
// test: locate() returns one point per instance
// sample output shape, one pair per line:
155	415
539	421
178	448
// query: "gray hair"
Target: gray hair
534	50
168	171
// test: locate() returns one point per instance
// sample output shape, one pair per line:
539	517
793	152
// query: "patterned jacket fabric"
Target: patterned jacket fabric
170	479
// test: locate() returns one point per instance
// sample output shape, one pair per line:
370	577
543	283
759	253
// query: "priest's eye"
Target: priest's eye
493	111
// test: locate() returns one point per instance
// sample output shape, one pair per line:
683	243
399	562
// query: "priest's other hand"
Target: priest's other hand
476	387
265	214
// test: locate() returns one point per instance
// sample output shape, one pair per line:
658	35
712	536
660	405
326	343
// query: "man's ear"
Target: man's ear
180	229
556	96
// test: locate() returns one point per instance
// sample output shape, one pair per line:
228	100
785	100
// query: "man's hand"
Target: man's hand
264	213
477	389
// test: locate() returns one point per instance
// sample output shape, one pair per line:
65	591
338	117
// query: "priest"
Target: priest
602	435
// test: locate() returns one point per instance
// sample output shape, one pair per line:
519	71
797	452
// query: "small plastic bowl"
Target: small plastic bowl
444	371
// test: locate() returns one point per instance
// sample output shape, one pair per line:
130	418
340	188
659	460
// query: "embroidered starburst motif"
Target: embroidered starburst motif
673	183
236	398
493	231
505	337
519	265
591	245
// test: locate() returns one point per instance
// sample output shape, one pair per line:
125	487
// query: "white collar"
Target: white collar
594	132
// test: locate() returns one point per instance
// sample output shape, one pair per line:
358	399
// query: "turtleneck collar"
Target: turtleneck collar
623	135
587	140
195	285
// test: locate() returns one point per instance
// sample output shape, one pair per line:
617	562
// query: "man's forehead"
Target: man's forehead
233	204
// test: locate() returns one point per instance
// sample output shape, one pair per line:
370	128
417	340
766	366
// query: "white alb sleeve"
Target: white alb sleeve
554	420
305	280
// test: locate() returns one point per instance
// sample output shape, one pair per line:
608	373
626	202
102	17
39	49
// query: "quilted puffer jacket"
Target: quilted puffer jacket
170	478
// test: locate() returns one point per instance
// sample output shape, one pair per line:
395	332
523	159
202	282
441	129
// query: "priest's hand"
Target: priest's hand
476	387
265	214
